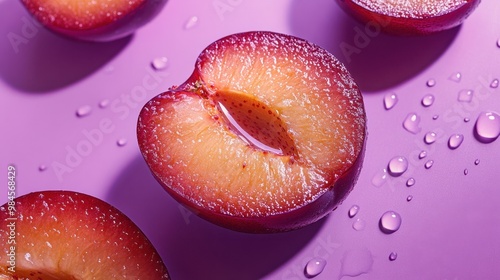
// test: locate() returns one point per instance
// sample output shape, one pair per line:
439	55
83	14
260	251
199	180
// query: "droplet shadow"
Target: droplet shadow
35	60
376	60
193	248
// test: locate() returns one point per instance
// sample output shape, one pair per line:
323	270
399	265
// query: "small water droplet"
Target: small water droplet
410	182
379	179
422	154
465	95
477	161
435	117
121	142
42	167
409	198
466	171
104	103
487	128
159	63
397	166
390	222
494	83
456	77
412	122
83	111
429	164
455	141
428	100
314	267
393	256
109	69
191	22
356	262
390	100
353	211
466	120
431	83
430	137
498	43
359	224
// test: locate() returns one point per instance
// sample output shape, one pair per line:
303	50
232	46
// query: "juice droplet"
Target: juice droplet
379	179
430	137
410	182
422	155
428	100
455	141
477	161
435	117
411	123
393	256
397	166
104	103
409	198
191	22
431	83
121	142
494	83
83	111
314	267
42	167
465	95
159	63
456	77
390	222
466	171
390	100
359	224
429	164
353	211
356	262
487	128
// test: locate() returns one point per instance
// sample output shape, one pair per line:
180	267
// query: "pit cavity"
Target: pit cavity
259	125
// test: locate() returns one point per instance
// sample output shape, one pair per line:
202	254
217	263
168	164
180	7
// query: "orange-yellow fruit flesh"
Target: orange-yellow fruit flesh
80	15
412	8
71	237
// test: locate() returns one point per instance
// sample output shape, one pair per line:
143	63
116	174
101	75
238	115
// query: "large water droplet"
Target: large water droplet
487	128
410	182
456	77
494	83
429	164
465	95
356	262
83	111
390	222
192	21
314	267
159	63
353	211
397	166
430	137
393	256
455	141
380	178
431	83
428	100
359	224
390	100
412	122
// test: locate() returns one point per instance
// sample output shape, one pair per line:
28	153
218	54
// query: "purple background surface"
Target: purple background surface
450	229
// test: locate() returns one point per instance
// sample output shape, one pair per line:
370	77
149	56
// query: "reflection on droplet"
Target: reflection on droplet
411	123
422	154
410	182
380	178
314	267
359	224
465	95
431	83
83	111
430	137
494	83
397	166
356	262
393	256
353	211
191	22
159	63
121	142
428	100
390	100
455	141
456	77
390	222
487	128
429	164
